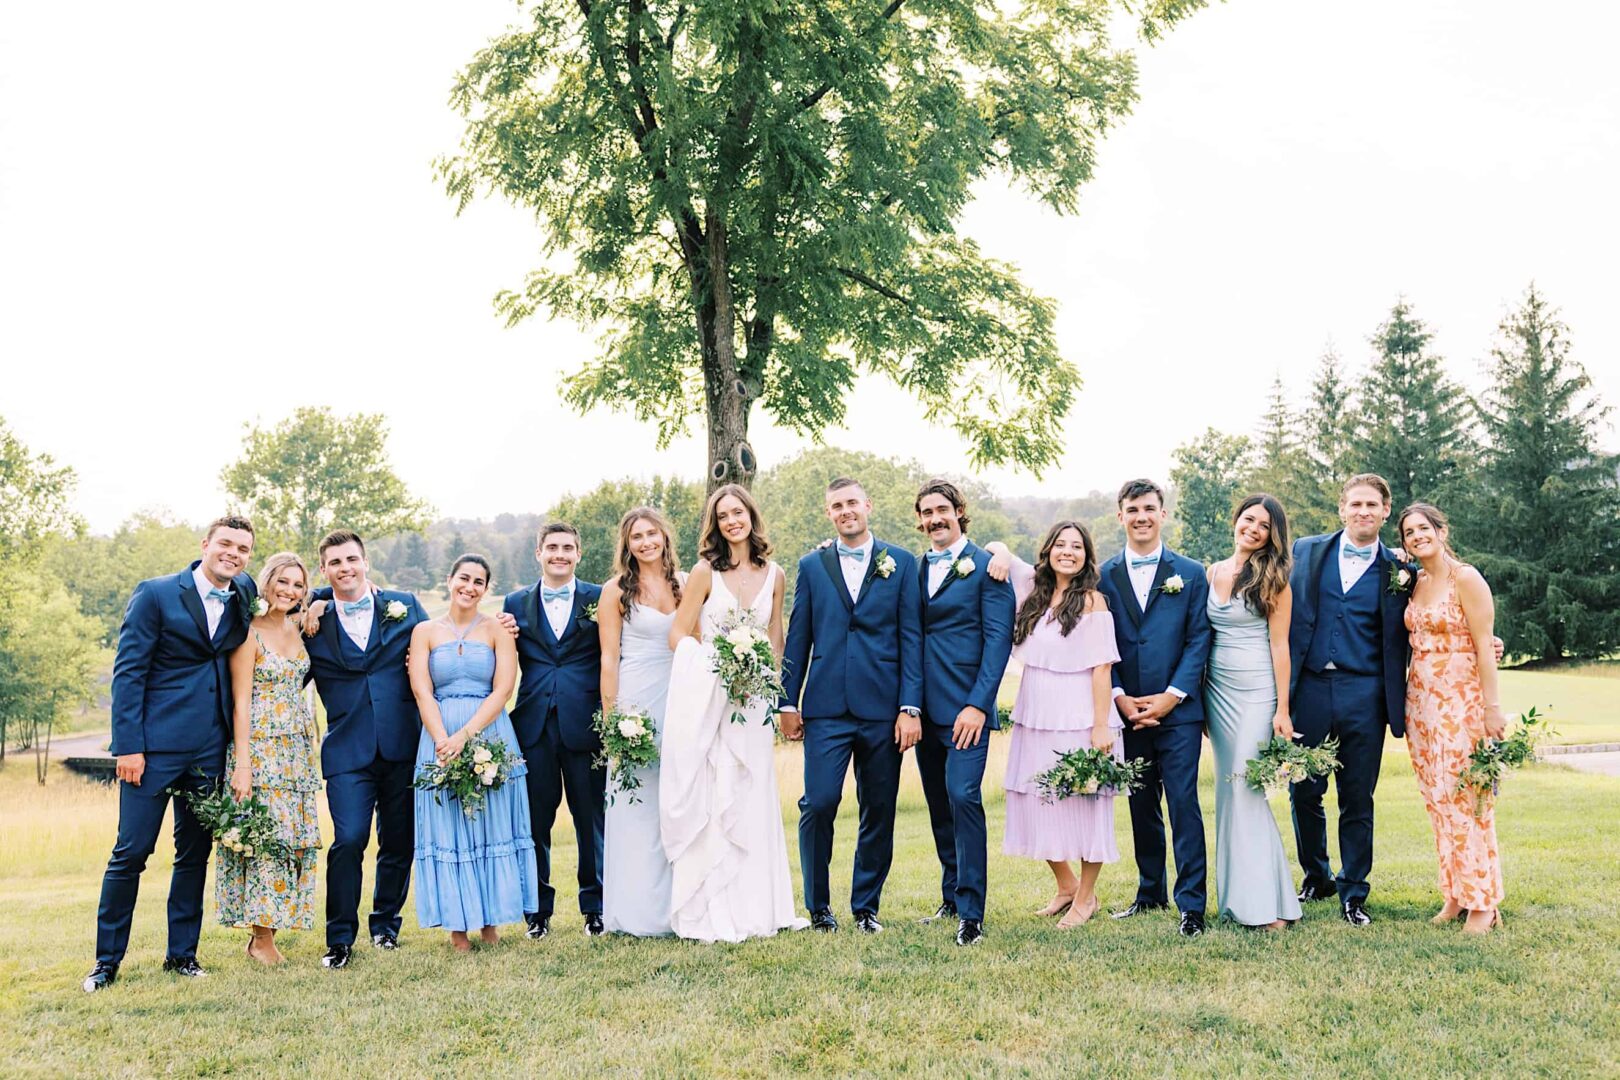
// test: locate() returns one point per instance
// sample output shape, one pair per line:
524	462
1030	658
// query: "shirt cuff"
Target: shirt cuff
787	708
1181	695
911	709
1119	692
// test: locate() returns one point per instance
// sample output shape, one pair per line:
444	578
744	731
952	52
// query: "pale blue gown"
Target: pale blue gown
1253	882
635	871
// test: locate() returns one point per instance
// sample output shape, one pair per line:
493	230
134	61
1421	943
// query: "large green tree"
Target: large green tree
1545	529
1209	474
1282	462
1327	422
103	570
758	202
317	471
596	515
34	497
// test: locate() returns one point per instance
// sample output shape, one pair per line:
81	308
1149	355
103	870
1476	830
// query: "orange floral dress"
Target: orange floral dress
1445	717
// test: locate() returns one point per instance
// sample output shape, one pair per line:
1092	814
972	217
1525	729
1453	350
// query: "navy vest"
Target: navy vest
1347	624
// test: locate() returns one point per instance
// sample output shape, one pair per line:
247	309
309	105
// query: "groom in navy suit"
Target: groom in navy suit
967	624
560	654
368	757
852	680
171	719
1163	642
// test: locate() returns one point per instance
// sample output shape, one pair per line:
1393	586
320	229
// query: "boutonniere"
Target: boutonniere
962	567
884	565
824	544
1172	585
589	613
260	606
1400	579
395	610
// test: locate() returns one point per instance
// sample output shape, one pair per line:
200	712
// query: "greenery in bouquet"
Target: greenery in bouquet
629	743
746	664
245	826
1282	762
1089	771
482	766
1492	758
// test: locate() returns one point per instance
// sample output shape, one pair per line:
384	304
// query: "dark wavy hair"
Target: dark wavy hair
1436	519
628	567
1265	573
952	494
712	544
1040	597
476	560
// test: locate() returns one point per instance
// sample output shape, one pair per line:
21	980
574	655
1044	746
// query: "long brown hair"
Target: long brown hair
1265	573
712	544
1040	597
628	567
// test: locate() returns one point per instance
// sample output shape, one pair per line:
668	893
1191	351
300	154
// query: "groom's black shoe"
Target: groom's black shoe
101	976
1355	914
1192	923
1136	908
969	932
946	911
184	965
593	924
1309	892
867	922
337	957
385	941
539	926
823	921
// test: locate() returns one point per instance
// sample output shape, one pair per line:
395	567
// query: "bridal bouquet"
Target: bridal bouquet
627	745
1492	757
482	766
246	827
1283	761
745	663
1089	771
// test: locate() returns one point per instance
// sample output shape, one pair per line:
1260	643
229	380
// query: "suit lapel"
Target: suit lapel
1127	591
1161	574
233	610
330	629
871	571
548	637
829	562
572	625
950	572
193	603
374	638
1319	556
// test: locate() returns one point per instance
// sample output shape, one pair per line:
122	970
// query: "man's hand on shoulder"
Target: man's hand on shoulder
508	622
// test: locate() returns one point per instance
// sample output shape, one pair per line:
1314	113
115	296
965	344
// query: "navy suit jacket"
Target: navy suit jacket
565	676
370	710
861	657
1395	646
967	639
171	686
1166	645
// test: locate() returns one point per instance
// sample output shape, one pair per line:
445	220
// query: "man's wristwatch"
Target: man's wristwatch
912	711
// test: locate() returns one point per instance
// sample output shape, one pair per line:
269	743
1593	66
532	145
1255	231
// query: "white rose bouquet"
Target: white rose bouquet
1283	761
628	743
247	828
482	766
1089	771
746	664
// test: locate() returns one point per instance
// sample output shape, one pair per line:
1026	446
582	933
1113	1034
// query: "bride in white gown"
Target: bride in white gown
719	813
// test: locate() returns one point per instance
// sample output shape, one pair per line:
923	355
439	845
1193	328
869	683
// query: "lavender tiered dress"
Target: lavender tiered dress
1054	714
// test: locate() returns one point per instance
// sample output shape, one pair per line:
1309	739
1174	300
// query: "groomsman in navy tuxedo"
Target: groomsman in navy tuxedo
1163	642
368	757
560	655
171	719
852	676
967	625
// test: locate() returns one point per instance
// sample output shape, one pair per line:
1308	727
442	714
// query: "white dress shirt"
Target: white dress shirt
1142	576
855	569
1351	569
938	571
558	611
213	608
358	624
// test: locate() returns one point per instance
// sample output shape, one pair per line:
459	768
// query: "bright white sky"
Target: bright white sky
214	213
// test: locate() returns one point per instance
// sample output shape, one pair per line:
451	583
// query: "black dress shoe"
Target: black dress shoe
337	957
946	911
101	976
969	932
593	924
184	965
539	926
385	941
1192	923
867	922
1136	908
1309	892
1355	914
823	921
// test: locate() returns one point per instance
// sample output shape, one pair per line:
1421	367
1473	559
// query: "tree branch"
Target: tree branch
898	297
810	100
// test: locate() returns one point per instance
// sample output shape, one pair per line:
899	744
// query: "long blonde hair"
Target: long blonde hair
273	566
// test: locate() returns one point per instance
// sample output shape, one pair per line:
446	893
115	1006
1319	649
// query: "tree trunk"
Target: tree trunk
727	398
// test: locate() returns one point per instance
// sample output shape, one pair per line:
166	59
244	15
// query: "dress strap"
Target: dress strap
460	637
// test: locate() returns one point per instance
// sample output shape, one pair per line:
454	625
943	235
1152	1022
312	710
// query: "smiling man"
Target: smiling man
171	718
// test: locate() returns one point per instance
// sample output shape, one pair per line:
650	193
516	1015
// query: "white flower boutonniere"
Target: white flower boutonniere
1172	585
884	565
962	567
1400	579
395	610
260	606
589	614
827	543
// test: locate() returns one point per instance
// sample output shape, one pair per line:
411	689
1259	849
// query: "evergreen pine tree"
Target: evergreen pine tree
1282	467
1208	475
1325	449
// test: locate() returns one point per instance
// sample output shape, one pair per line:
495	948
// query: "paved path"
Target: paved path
88	744
1606	763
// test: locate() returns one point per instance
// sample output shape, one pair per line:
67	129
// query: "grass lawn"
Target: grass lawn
1401	998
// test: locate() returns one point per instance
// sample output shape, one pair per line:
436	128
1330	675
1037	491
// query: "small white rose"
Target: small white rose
885	565
395	610
1090	787
631	728
232	835
824	544
1404	577
963	567
1173	584
488	779
482	755
247	849
261	606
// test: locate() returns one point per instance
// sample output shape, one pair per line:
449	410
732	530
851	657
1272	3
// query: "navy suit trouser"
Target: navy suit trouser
951	781
830	743
556	771
384	789
140	819
1350	708
1170	753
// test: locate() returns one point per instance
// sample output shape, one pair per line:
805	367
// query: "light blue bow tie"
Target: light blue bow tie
548	594
938	556
858	554
1138	561
363	604
1353	552
221	595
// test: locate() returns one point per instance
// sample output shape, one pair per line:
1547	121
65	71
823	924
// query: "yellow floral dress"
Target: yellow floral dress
1445	717
255	891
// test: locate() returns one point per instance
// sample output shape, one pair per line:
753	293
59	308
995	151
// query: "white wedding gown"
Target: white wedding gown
719	814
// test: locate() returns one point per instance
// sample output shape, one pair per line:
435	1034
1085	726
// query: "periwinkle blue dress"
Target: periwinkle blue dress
479	871
1252	876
